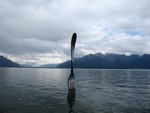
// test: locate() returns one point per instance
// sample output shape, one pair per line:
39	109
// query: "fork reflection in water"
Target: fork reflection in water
71	99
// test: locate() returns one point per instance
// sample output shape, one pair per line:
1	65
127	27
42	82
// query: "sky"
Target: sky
39	32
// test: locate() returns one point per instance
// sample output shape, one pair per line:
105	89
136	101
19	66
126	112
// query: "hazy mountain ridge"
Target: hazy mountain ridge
4	62
98	60
49	66
110	61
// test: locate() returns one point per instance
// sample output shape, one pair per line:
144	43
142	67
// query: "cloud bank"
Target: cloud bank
39	31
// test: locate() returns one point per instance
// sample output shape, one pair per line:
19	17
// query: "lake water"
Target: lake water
35	90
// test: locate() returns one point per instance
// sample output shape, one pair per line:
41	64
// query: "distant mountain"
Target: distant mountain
110	61
4	62
143	62
49	66
26	65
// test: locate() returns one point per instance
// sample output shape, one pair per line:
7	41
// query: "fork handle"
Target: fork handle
73	42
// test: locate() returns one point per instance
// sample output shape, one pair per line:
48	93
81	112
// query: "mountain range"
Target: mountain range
98	60
110	61
4	62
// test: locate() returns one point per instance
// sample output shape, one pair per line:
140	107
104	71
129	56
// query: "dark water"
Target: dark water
97	91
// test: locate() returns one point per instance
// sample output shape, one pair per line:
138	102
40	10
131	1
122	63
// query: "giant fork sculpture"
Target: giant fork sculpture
71	79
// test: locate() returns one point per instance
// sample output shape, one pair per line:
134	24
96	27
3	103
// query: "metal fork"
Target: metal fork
71	79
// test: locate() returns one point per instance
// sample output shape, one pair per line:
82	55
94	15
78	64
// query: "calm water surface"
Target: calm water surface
97	91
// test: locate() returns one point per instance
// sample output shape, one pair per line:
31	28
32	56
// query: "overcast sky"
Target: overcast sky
39	31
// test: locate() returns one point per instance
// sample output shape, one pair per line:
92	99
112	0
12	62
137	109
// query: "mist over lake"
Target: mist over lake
37	90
